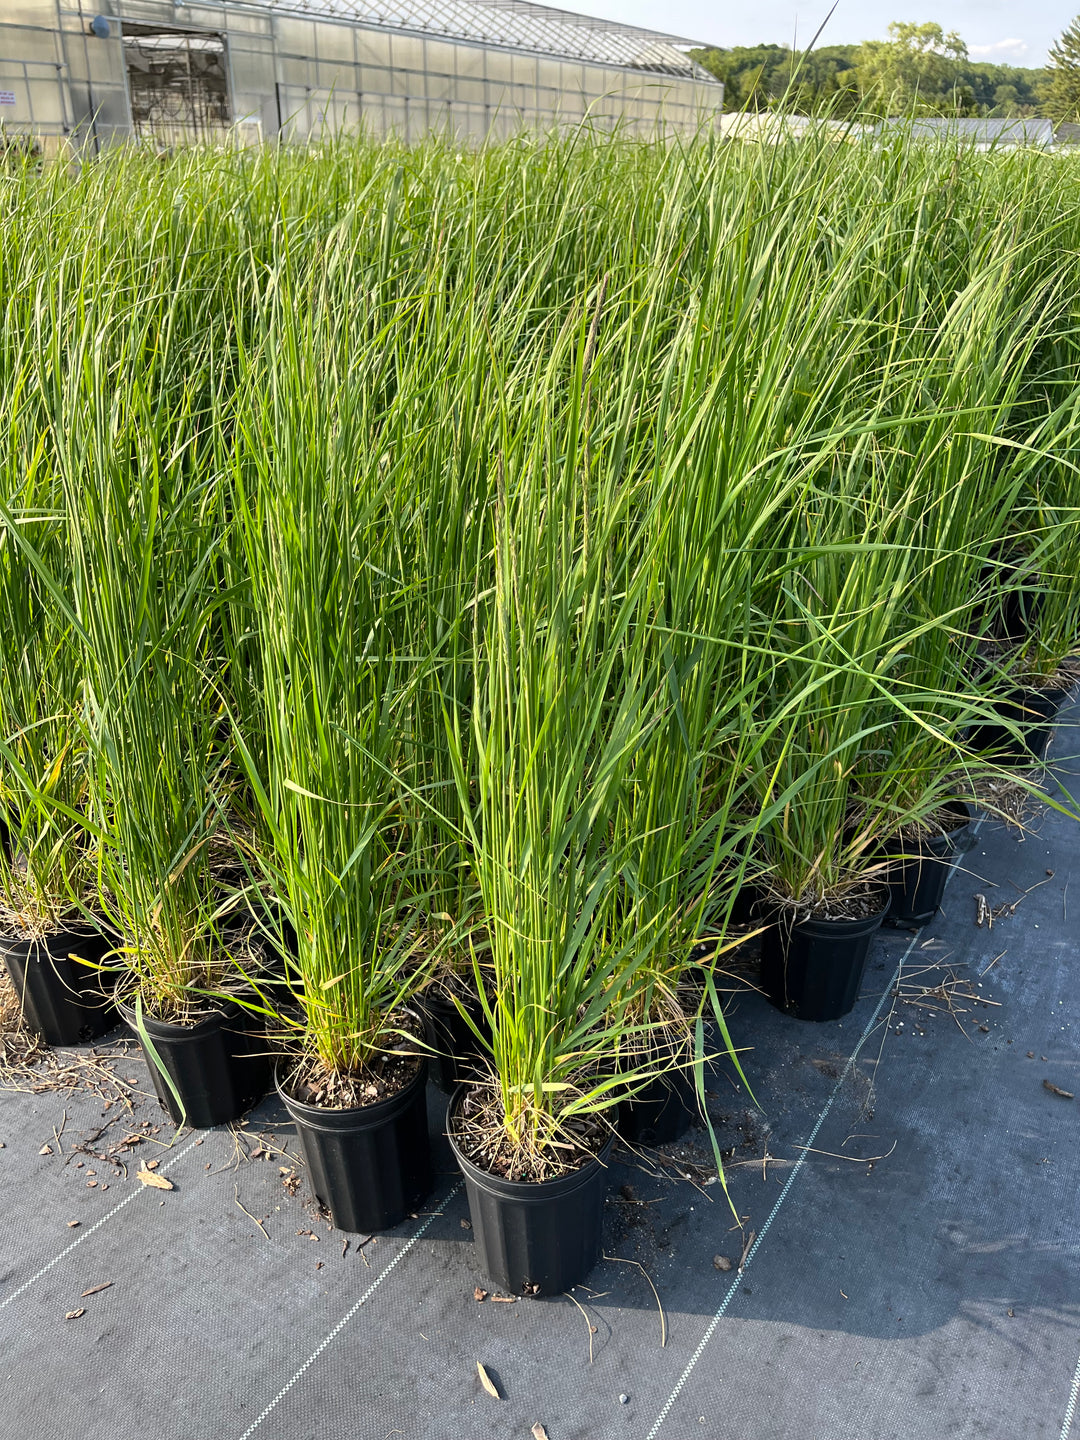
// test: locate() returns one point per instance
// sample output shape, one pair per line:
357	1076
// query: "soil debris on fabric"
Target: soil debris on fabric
1056	1090
1011	804
21	1048
29	1066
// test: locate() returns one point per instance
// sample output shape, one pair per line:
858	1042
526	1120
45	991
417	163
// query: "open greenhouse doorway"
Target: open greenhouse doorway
178	83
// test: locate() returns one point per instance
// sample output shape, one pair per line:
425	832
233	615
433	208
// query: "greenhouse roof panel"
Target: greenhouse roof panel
517	24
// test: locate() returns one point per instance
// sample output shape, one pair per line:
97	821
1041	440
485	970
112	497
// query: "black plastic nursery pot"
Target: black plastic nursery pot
534	1237
458	1056
747	905
917	879
220	1066
1012	612
1017	615
65	1002
813	968
1033	712
275	935
369	1165
662	1111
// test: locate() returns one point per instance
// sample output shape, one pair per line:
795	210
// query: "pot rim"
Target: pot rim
224	1009
83	930
920	849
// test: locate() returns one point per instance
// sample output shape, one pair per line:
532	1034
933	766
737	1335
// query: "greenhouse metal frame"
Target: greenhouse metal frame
167	73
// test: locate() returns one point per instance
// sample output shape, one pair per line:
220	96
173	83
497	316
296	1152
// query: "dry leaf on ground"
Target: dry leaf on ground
487	1382
158	1182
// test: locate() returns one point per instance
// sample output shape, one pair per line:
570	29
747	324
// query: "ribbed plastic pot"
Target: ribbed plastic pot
458	1055
1013	612
1034	712
813	969
220	1065
65	1002
369	1165
534	1237
747	905
1017	615
275	933
917	879
662	1111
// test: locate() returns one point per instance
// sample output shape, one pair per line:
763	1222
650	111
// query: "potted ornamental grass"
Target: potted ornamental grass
144	537
52	941
455	939
833	651
676	827
917	781
903	512
533	1136
329	709
559	707
1042	664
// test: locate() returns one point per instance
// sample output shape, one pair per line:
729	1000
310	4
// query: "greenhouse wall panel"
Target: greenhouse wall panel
165	73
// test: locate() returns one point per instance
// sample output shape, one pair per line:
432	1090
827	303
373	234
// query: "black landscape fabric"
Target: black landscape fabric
909	1201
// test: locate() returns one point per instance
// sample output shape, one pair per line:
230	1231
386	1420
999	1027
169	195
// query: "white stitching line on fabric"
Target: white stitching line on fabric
346	1318
85	1235
715	1321
1070	1409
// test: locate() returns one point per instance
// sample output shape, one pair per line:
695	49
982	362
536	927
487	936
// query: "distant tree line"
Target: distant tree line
919	69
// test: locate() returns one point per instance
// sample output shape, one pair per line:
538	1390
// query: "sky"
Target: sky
995	30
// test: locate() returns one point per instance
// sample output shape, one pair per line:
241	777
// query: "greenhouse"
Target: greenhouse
253	69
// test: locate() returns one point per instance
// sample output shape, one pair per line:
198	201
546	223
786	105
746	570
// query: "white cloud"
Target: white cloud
1001	49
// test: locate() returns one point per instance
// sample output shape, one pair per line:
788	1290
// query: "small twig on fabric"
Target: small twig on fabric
247	1212
855	1159
652	1287
588	1322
